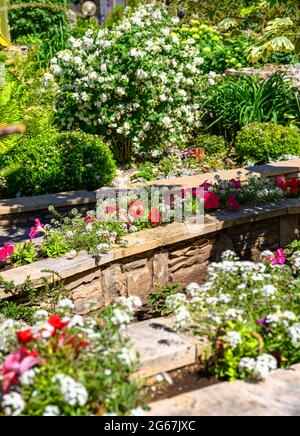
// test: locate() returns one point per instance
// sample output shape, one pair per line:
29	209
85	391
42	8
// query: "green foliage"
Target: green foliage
219	49
24	254
262	141
157	300
49	162
211	144
55	245
82	25
12	310
146	172
39	20
277	37
234	102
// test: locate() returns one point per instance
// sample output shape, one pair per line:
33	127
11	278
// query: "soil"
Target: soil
183	380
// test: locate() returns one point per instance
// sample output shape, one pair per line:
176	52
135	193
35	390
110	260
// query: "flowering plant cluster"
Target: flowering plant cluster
68	365
232	194
291	187
137	84
250	312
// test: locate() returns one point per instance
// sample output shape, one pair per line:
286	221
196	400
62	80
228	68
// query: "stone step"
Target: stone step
162	349
277	395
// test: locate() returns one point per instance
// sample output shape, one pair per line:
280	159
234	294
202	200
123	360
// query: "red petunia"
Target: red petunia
211	200
155	217
56	322
232	203
88	219
25	336
137	210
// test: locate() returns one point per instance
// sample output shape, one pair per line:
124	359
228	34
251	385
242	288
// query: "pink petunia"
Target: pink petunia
6	252
37	229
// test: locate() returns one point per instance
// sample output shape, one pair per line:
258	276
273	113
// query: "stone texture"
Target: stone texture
114	283
139	281
161	269
88	297
278	395
289	229
161	348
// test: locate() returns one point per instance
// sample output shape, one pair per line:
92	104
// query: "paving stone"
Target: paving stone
161	348
278	395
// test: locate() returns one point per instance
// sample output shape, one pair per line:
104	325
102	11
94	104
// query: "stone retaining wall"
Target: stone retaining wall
175	253
17	215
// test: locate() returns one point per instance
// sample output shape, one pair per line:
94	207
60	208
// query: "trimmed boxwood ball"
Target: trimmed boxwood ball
261	141
62	162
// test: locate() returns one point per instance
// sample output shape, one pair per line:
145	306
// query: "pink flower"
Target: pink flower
279	257
15	365
37	229
6	251
235	183
233	203
137	210
155	217
211	200
206	185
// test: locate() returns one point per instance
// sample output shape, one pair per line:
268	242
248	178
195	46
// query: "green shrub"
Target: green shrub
54	162
261	141
211	144
38	20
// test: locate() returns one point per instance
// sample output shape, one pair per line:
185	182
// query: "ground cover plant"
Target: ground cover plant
250	312
66	365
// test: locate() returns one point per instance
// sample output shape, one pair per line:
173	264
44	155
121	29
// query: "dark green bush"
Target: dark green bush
55	162
36	20
261	141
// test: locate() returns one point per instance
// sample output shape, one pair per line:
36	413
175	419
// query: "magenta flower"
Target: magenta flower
279	257
212	200
235	183
6	252
232	203
37	229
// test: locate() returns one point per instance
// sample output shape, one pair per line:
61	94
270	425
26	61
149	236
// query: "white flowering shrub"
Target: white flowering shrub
250	312
138	85
67	365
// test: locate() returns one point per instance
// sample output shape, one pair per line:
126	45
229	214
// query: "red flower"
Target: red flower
233	203
56	322
88	219
235	183
211	200
206	185
6	251
25	336
155	217
136	209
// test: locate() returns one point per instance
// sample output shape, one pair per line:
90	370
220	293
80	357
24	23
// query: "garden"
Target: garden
149	173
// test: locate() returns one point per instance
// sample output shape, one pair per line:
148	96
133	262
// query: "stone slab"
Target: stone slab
277	395
161	348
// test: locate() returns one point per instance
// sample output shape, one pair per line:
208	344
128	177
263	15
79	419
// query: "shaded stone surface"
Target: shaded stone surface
277	395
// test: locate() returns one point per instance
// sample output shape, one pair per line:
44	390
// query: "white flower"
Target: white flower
107	372
120	317
74	393
40	315
264	365
294	335
75	321
248	364
174	301
127	356
27	378
13	404
193	287
66	303
51	411
181	318
233	339
268	290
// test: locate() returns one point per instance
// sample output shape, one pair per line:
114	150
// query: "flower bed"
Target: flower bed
98	232
67	365
250	312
